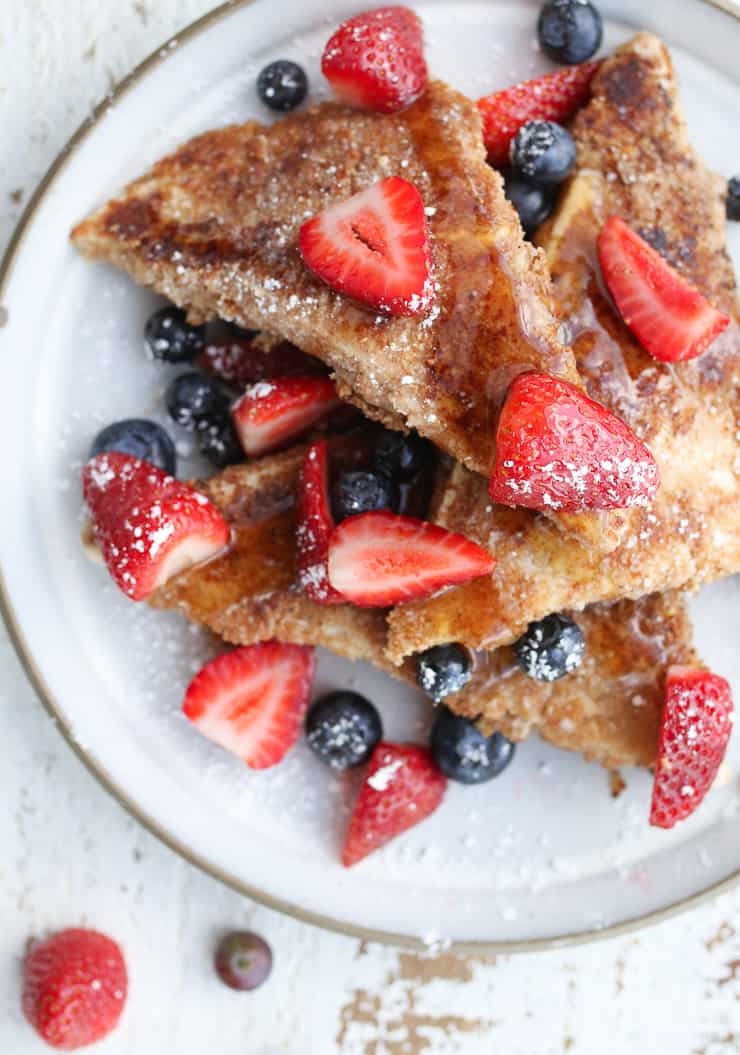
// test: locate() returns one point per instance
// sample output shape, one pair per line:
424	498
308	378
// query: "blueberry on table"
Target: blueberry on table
463	753
543	152
443	670
401	456
139	438
219	443
550	648
733	198
170	337
196	401
361	492
532	201
343	729
282	85
569	31
243	960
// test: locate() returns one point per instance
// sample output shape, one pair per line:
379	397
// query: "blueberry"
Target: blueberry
170	337
282	85
550	648
415	495
532	202
465	754
243	960
733	198
342	729
442	670
219	443
196	401
543	152
361	492
140	438
400	457
569	30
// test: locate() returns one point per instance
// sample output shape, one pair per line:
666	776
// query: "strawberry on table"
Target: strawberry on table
402	787
668	316
251	701
373	247
74	987
277	410
695	728
315	525
556	449
240	361
148	525
376	60
553	97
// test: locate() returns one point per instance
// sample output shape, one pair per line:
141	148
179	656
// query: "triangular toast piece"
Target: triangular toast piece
634	160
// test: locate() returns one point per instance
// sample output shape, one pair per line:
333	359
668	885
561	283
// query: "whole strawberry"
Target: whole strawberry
74	988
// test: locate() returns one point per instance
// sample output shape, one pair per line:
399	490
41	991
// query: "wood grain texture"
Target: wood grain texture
71	855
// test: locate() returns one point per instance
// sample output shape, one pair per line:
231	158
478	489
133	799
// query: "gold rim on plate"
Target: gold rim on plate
25	655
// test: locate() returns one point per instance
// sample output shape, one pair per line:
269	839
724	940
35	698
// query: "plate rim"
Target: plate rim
96	768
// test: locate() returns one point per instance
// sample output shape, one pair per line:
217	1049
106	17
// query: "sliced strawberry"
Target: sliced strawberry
376	60
148	525
556	449
381	559
373	247
668	316
251	701
695	727
74	987
553	97
274	412
401	788
315	525
241	362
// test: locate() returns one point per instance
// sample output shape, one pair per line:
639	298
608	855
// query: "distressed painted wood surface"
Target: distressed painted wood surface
70	855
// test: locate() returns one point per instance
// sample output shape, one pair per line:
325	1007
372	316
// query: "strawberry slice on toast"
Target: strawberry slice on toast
273	412
315	526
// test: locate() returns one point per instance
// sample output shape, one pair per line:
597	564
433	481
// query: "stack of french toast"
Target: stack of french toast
543	453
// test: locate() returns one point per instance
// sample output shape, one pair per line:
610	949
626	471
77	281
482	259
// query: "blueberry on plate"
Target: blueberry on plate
543	152
140	438
282	85
243	960
170	337
360	491
463	753
550	648
401	457
219	443
733	198
343	729
533	202
443	670
569	30
196	401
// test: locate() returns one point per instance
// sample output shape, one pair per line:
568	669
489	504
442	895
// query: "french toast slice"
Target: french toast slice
633	159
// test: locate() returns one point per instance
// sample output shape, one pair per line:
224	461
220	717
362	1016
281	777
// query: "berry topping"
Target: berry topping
376	60
241	362
140	438
148	525
553	97
569	30
556	449
532	201
543	152
403	786
343	729
401	457
415	495
695	727
315	525
443	670
550	648
282	85
219	443
74	988
243	960
732	202
196	401
381	559
362	492
463	753
251	701
373	247
170	337
668	316
272	413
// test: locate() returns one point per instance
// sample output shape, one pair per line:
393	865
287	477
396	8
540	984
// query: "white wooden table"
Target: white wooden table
70	855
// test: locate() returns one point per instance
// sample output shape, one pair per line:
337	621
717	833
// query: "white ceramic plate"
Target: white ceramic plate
542	854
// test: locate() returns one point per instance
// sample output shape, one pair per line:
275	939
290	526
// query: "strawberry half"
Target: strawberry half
274	412
668	316
373	247
240	362
315	525
553	97
381	559
695	727
401	788
74	988
376	60
556	449
251	701
148	525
